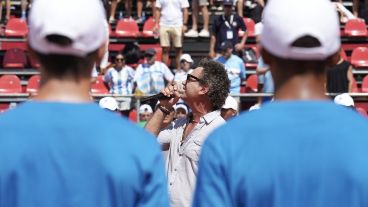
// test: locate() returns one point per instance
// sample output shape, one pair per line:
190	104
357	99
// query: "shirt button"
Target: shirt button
175	169
171	183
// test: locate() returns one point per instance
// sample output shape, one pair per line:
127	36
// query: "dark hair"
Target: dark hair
299	67
66	66
215	77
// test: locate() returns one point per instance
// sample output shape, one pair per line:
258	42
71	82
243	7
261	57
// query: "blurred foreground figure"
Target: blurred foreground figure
301	149
62	149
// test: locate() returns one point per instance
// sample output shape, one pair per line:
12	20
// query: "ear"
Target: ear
204	90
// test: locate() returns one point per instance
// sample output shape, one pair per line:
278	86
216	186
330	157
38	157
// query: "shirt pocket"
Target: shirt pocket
193	149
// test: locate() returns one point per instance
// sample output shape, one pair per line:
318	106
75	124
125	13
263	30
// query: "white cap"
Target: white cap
181	106
108	103
83	21
145	108
284	21
186	57
231	103
344	99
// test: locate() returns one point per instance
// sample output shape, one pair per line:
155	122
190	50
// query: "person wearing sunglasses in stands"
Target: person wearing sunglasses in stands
204	91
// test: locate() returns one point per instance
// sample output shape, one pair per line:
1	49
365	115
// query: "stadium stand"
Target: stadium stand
16	28
99	87
359	58
127	28
33	84
15	58
356	28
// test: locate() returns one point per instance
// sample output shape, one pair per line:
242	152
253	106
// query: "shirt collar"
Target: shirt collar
208	118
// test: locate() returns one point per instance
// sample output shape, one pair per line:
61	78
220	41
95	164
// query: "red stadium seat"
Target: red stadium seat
15	58
148	27
127	28
16	28
356	28
10	84
252	84
364	87
355	88
33	84
99	86
359	57
249	23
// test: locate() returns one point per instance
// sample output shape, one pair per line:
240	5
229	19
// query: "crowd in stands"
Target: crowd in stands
129	71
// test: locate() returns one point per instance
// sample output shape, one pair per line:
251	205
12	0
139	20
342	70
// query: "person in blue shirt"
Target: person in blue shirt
302	149
234	67
61	149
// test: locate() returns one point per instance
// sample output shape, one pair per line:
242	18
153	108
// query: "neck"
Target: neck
302	87
65	91
200	109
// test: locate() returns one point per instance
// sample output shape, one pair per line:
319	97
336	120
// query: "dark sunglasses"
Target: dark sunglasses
193	78
119	59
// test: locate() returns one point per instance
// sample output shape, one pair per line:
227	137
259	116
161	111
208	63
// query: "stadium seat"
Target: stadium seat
127	28
99	86
356	28
33	84
249	23
16	28
10	84
359	57
252	84
148	27
355	88
15	58
364	87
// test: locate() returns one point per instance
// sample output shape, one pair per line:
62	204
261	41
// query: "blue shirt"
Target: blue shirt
305	154
58	154
235	71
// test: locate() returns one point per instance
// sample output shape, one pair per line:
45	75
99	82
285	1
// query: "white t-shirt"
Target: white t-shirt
171	12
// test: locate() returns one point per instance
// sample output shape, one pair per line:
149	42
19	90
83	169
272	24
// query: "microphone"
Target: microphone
159	96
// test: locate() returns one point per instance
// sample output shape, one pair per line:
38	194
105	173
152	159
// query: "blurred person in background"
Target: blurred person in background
230	108
340	76
203	6
171	20
181	111
225	27
186	63
7	10
145	114
234	67
152	76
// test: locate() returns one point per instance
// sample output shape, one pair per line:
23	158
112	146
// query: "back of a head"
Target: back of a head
66	35
305	30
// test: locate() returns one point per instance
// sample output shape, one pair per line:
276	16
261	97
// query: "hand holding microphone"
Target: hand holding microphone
168	96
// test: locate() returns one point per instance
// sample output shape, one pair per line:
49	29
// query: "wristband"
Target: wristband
164	110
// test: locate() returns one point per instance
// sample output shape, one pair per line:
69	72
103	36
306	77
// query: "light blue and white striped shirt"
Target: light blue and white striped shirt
150	79
120	82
